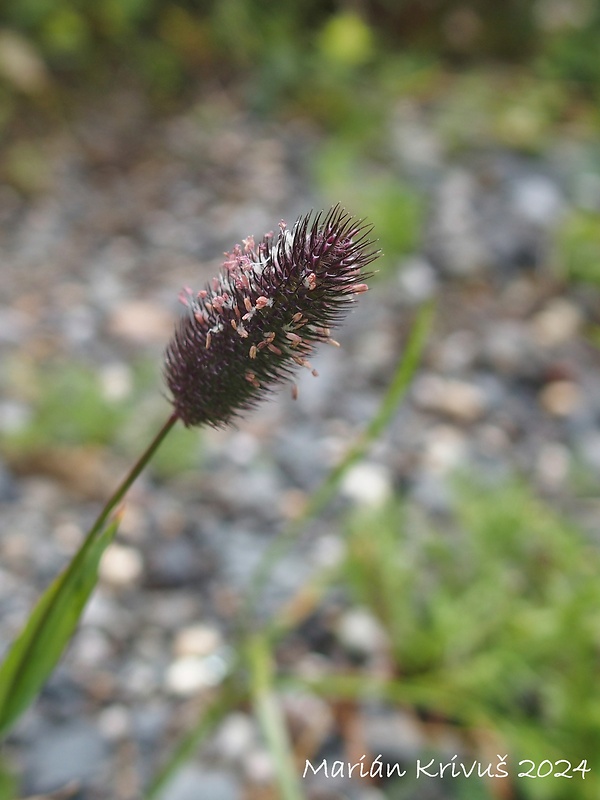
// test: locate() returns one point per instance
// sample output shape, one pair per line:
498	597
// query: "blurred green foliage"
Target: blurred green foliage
70	406
282	49
8	782
515	110
395	208
493	622
579	246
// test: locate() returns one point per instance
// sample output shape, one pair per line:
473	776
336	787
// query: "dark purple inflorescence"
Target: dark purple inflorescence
259	320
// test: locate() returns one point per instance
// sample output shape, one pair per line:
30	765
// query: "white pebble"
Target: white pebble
114	722
197	640
367	483
121	565
561	398
417	280
189	674
91	647
236	736
557	323
259	767
359	631
328	552
553	463
14	417
116	381
460	400
445	449
141	321
457	351
537	199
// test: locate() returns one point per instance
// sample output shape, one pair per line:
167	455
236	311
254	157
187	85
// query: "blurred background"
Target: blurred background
446	601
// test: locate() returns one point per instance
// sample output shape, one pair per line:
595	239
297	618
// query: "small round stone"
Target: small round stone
197	640
367	484
121	565
557	323
561	398
360	632
460	400
553	463
190	674
114	722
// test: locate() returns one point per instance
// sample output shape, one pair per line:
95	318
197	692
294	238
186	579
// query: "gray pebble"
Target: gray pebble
196	783
63	753
537	199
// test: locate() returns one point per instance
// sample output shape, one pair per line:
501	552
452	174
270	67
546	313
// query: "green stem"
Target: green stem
129	479
23	652
230	695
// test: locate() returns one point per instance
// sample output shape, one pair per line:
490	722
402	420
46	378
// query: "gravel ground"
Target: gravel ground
129	211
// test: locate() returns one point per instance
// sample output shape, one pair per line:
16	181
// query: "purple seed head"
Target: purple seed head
261	317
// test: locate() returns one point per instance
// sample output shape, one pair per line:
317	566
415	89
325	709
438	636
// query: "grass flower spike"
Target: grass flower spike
251	328
260	318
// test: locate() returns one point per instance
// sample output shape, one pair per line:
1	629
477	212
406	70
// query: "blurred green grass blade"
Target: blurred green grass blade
429	692
8	782
322	495
233	694
229	696
270	717
49	628
391	400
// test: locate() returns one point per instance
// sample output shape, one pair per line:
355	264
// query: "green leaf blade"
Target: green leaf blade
47	632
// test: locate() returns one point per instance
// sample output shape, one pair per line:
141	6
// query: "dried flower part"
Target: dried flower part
260	319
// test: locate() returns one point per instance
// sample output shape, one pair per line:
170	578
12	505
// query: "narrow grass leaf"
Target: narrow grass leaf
8	782
270	717
401	380
49	628
229	696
